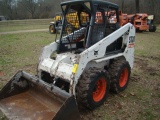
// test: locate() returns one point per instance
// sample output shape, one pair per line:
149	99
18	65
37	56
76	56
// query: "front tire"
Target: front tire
93	88
120	73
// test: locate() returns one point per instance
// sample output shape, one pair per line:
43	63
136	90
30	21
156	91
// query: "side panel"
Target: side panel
129	52
98	50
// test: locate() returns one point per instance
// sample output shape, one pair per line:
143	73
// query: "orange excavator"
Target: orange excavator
123	18
141	21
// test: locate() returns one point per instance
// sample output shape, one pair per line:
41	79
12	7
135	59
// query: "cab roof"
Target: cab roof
91	1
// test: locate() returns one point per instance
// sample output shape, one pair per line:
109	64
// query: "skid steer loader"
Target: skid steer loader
79	68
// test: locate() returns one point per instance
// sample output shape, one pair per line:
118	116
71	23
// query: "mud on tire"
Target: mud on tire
93	88
120	73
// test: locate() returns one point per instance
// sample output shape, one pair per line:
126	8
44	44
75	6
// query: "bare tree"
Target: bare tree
157	10
123	5
25	9
30	6
6	8
137	6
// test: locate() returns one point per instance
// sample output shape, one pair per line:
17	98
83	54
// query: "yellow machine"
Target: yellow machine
72	19
57	21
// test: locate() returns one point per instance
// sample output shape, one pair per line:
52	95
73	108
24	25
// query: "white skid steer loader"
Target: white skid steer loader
78	68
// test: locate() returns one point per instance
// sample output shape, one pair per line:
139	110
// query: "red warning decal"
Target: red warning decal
131	41
131	45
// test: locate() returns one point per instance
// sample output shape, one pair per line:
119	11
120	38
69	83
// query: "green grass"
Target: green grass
148	43
148	114
16	25
22	27
20	50
2	117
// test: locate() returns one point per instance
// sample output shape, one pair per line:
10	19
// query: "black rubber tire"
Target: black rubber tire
115	70
152	28
86	87
52	29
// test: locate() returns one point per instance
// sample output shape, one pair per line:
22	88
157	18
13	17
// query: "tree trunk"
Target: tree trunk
137	6
122	5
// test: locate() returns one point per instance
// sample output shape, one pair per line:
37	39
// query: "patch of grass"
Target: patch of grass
23	27
148	115
4	61
148	43
2	117
20	50
16	25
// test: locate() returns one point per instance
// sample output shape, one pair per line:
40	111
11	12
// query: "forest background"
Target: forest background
39	9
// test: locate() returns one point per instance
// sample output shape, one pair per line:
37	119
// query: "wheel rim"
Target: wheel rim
123	77
99	90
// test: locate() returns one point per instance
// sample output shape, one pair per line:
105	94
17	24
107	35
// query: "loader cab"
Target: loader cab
86	23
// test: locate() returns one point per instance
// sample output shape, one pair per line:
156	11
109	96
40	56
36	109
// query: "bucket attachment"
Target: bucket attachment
28	97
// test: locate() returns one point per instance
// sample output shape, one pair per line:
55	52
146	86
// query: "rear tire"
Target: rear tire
152	28
93	88
120	72
52	29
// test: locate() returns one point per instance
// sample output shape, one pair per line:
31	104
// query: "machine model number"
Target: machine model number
131	41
